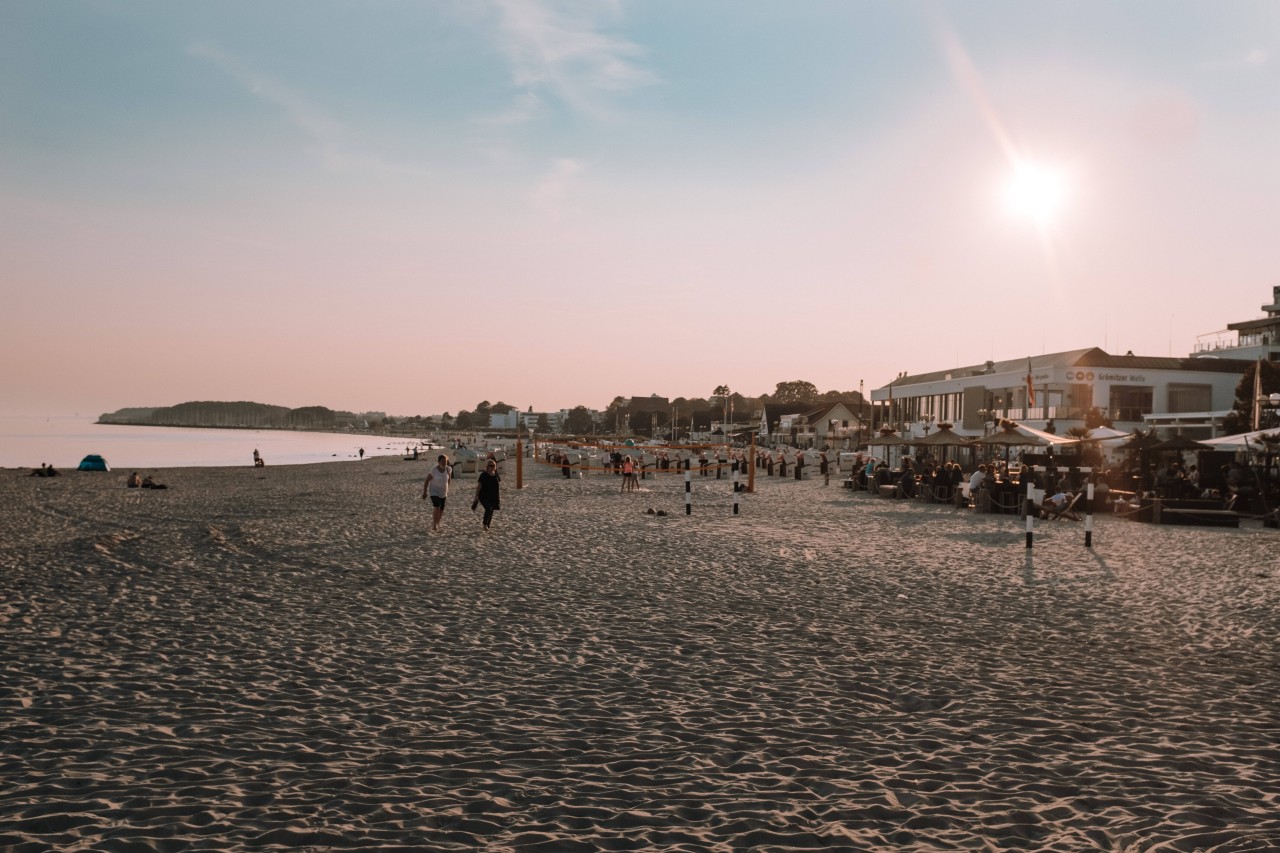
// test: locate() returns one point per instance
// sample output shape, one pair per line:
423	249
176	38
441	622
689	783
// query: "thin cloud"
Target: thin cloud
331	137
1255	58
524	110
560	49
551	194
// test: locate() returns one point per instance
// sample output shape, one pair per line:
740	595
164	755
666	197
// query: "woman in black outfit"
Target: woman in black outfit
487	491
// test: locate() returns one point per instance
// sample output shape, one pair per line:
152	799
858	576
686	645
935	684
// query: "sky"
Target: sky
412	207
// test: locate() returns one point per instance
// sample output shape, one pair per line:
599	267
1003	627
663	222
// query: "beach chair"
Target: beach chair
1068	511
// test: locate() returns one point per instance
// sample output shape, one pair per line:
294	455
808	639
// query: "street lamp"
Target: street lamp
927	420
1266	401
988	421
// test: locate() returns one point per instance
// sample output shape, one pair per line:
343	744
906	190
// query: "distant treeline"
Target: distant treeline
242	414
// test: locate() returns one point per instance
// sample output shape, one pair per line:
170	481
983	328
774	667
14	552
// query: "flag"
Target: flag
1031	388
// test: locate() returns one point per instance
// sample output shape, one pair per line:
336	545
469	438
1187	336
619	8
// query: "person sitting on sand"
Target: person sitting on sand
148	483
134	480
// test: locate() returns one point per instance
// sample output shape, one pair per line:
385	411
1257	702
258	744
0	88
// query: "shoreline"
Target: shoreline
286	657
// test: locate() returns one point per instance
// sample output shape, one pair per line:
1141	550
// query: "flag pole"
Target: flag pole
1257	396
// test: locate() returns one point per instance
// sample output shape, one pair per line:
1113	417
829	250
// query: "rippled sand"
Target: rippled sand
286	658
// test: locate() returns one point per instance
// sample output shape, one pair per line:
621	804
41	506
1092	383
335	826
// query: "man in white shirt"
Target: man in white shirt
436	487
976	479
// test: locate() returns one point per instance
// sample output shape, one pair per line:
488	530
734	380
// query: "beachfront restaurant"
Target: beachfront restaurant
1058	391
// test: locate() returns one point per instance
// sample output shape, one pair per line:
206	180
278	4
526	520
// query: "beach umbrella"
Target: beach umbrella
1179	443
1244	441
944	437
1011	438
1106	434
887	440
1140	441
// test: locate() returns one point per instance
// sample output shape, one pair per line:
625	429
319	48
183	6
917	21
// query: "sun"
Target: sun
1036	192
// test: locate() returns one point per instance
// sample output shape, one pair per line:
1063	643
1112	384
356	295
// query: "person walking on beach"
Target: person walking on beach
436	487
487	493
824	468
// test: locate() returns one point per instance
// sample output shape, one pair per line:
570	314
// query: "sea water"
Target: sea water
27	442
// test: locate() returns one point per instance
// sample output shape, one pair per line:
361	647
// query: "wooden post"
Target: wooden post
519	464
735	491
751	467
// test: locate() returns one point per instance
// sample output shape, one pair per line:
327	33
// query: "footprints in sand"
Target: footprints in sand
295	668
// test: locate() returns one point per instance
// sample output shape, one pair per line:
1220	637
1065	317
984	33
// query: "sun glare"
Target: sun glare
1036	192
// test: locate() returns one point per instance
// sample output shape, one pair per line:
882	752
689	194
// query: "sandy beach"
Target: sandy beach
286	658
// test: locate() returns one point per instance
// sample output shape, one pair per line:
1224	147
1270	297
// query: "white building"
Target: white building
555	420
1061	390
1253	339
507	420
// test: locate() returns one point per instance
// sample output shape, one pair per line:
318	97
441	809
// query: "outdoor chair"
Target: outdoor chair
1068	511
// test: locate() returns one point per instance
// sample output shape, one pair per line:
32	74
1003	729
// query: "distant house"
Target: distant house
506	420
778	420
555	420
807	425
830	425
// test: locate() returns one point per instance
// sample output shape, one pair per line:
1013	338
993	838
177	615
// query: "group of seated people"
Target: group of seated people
46	470
136	482
944	483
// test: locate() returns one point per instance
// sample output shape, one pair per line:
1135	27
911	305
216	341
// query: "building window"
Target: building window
1131	402
1185	397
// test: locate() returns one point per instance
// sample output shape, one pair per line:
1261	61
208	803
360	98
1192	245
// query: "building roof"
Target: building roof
1091	357
1255	325
823	412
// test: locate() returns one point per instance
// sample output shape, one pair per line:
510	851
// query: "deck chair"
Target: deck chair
1068	511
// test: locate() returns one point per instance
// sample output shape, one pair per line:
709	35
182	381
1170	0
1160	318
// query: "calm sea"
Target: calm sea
26	442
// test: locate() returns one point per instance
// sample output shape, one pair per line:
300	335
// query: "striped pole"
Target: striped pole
1088	515
1030	516
688	492
735	491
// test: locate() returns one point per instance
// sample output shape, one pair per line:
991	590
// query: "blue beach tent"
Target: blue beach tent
94	462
